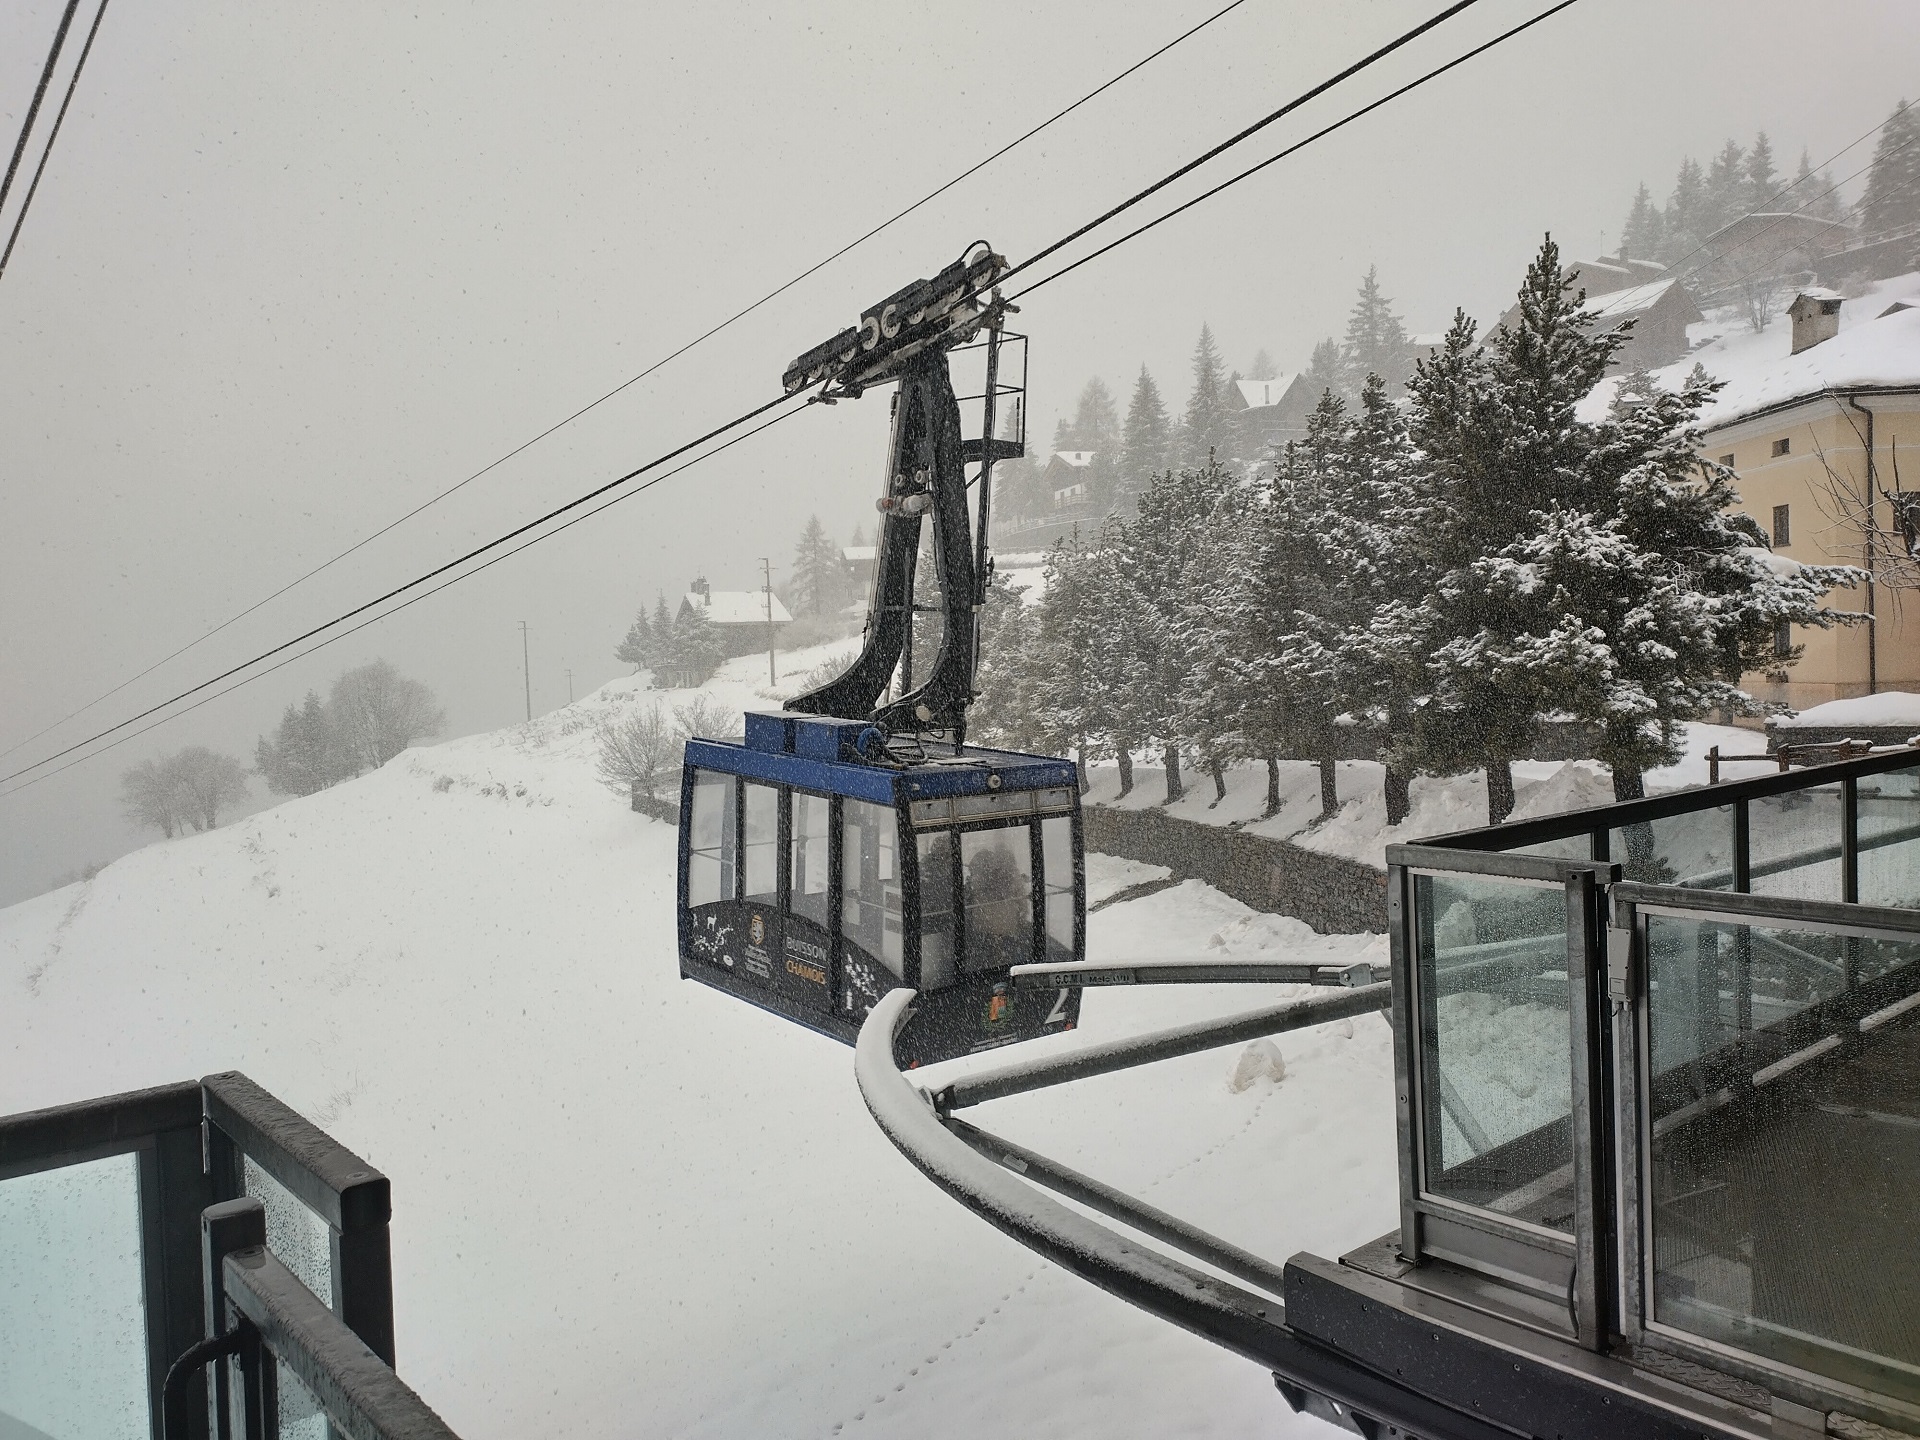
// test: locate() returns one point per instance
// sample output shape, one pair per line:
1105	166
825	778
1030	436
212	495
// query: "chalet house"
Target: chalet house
1819	419
1621	289
1068	478
742	620
1269	413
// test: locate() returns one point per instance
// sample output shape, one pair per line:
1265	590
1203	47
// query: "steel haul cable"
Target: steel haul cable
1373	58
625	384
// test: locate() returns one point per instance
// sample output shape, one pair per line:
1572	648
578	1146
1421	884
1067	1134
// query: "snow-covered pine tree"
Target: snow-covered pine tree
1263	367
635	649
1207	418
817	571
1326	370
1143	443
1154	557
300	758
1640	236
1892	199
1470	710
1654	595
1816	193
1377	546
1376	340
1282	604
1096	427
696	650
1004	712
1726	188
1685	219
1761	178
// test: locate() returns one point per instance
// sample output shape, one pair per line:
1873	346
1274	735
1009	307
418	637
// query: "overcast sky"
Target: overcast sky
293	270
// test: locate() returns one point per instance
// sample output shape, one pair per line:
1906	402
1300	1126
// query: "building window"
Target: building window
1782	529
1782	446
1782	640
1727	460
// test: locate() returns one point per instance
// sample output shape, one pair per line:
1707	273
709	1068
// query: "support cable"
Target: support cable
1242	135
376	619
412	584
623	385
39	169
1287	109
1252	170
39	94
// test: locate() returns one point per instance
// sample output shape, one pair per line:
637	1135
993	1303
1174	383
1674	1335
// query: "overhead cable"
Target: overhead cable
623	385
40	168
39	94
412	584
415	599
1355	68
1319	134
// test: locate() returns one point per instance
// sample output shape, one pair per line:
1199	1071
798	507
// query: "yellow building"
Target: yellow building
1818	412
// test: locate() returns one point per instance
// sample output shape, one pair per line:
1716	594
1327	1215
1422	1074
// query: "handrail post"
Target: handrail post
224	1228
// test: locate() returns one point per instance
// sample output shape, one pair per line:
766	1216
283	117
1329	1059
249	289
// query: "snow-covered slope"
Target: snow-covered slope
628	1206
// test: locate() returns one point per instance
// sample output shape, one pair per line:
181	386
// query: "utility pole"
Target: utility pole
526	675
766	574
569	687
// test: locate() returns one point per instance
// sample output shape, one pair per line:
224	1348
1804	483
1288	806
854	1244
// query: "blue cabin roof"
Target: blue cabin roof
821	753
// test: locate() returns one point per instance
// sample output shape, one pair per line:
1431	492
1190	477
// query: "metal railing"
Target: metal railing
206	1273
1719	968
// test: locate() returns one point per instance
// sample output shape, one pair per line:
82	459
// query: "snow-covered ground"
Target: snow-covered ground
1359	829
625	1205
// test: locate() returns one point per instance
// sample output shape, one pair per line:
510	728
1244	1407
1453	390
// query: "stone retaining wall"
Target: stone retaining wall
1333	894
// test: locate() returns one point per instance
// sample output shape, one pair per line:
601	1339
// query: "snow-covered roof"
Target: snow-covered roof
738	607
1258	394
1429	341
858	554
1819	292
1630	301
1878	345
1889	707
1076	458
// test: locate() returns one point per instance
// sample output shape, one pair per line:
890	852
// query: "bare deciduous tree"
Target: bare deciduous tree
1875	526
375	712
636	751
186	789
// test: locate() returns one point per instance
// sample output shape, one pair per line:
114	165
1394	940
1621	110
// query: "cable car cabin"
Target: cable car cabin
814	880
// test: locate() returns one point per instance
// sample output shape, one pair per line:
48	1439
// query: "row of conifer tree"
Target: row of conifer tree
1420	581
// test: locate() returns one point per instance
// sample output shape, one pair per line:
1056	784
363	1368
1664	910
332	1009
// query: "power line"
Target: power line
39	94
1287	109
623	385
412	600
73	82
414	583
1297	146
1362	64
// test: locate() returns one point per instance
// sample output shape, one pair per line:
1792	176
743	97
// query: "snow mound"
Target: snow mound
1889	707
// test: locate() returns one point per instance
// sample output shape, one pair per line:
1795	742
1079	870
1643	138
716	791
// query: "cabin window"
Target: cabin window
1782	526
1782	446
1056	846
1782	641
998	884
1727	460
870	882
760	850
812	824
936	910
710	865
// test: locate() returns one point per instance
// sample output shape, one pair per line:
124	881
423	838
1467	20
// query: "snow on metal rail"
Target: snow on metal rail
1191	972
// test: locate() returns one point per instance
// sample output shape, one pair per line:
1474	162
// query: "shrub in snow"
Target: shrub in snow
636	751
